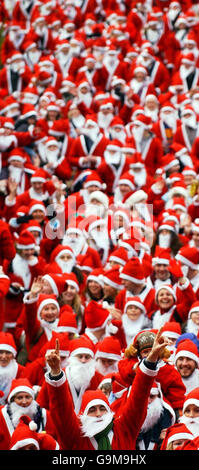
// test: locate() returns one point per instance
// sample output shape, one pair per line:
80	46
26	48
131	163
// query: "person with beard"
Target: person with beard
98	236
31	54
151	107
160	263
141	84
190	412
105	114
10	369
80	372
160	416
165	127
76	238
108	353
138	169
52	159
192	323
113	64
19	169
116	130
21	401
186	361
88	148
186	132
187	74
16	75
95	427
62	260
134	319
114	164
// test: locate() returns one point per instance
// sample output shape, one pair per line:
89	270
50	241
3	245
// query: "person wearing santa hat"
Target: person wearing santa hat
186	132
176	437
188	258
24	437
107	355
62	260
72	297
88	148
111	284
165	127
26	264
134	318
167	238
101	325
95	413
10	369
54	161
172	331
134	282
192	323
190	412
15	75
186	360
114	164
160	416
21	401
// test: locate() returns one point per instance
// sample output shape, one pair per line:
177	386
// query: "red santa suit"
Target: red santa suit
19	84
24	13
113	166
14	369
4	288
127	424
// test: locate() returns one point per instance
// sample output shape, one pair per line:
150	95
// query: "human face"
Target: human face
26	254
5	357
144	353
133	312
49	313
65	257
97	411
23	399
83	358
165	299
185	366
46	287
38	215
37	186
94	287
109	290
161	271
191	411
70	293
178	443
195	317
195	238
124	189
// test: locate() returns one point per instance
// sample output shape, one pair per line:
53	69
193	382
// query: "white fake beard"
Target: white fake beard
49	327
121	136
191	327
41	31
20	67
139	177
135	85
172	14
101	239
110	62
81	373
78	121
75	243
190	122
164	240
7	374
138	134
180	34
112	159
169	119
52	155
191	423
94	209
154	411
152	114
18	411
152	35
91	425
66	266
195	104
106	370
131	327
15	173
104	120
184	72
91	133
86	98
6	141
34	57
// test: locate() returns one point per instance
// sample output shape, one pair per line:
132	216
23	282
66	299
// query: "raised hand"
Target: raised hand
53	359
158	347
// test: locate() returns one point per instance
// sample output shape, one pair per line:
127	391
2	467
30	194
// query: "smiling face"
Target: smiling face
186	366
49	313
165	299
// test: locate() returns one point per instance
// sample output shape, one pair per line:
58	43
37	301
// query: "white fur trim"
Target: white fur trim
119	260
7	347
160	261
47	302
95	402
188	354
25	442
132	279
82	351
181	435
147	371
137	304
105	355
52	283
190	401
25	247
111	283
96	279
55	383
187	262
20	389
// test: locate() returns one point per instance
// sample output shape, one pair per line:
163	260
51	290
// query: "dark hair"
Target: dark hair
175	243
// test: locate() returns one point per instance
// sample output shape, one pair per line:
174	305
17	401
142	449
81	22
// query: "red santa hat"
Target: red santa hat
60	249
93	398
172	329
17	154
188	58
176	432
9	103
96	317
36	205
71	280
194	308
94	179
81	345
192	398
119	256
133	271
97	276
179	203
28	111
20	385
39	176
128	179
24	435
169	161
168	287
195	226
108	348
67	321
134	301
189	256
112	278
101	197
57	283
7	343
187	348
25	240
59	128
161	256
46	299
167	225
51	141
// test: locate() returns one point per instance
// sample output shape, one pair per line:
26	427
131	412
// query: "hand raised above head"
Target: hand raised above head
53	359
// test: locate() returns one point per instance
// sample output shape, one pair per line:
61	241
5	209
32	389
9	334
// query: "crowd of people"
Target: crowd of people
99	229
